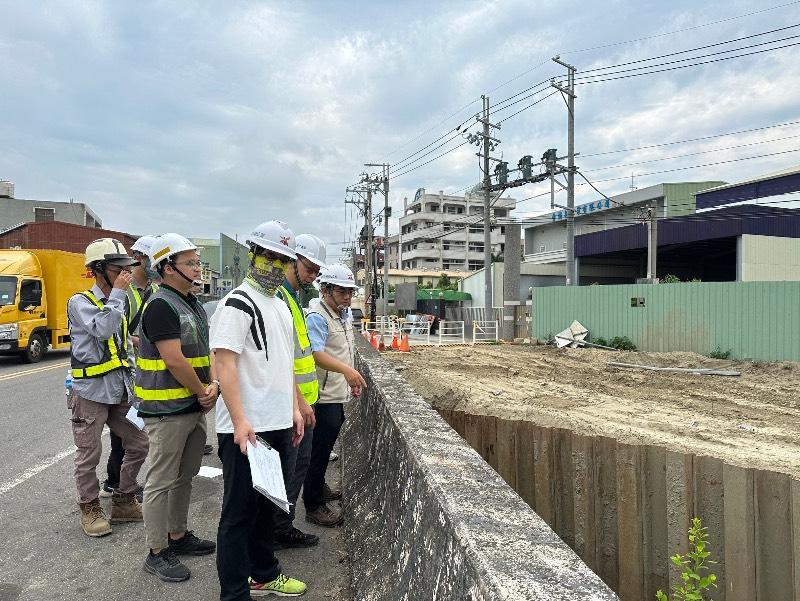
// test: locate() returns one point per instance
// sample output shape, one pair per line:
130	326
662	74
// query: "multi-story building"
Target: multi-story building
16	211
442	232
225	260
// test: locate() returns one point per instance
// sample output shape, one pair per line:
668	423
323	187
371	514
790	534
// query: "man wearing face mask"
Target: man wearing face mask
330	331
253	341
142	286
175	387
301	274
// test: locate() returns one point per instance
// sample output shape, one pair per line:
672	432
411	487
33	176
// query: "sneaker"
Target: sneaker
324	516
333	456
105	490
93	519
329	494
189	544
282	586
208	449
125	508
295	538
166	566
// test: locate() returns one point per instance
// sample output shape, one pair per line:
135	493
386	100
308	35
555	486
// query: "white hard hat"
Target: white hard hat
143	244
108	250
275	236
311	248
338	275
167	246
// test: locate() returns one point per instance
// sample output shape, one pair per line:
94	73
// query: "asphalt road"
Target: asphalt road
44	554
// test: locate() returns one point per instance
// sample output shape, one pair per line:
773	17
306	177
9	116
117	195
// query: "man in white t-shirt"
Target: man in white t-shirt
253	342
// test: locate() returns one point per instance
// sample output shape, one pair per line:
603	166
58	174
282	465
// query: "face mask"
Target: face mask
266	275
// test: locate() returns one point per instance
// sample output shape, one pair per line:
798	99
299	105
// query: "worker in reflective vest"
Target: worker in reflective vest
175	388
142	286
301	274
100	358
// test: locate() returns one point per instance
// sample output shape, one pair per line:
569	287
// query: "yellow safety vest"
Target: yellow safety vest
305	370
113	357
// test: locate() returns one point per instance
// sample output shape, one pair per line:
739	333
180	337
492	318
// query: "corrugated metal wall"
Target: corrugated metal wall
754	320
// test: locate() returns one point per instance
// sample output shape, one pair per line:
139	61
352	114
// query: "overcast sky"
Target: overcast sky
201	117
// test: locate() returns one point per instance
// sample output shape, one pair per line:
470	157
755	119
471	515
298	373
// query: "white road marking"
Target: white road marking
31	472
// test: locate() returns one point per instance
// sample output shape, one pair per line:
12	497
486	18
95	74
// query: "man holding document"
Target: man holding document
253	342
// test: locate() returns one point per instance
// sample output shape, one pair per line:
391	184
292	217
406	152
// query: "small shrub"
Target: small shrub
718	353
600	340
696	574
622	343
670	279
550	338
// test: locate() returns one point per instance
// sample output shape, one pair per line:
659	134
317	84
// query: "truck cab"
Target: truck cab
35	286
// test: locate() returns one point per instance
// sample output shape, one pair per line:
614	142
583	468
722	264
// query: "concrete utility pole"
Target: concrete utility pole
368	258
569	92
652	242
489	144
387	212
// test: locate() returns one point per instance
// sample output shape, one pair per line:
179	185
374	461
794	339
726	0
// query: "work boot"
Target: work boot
125	508
324	516
329	494
93	520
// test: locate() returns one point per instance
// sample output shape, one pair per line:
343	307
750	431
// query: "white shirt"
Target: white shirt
266	374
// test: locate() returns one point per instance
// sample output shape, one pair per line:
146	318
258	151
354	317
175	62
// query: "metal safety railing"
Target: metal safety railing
485	331
451	332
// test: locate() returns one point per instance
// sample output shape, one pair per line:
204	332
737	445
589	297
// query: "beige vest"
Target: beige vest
340	344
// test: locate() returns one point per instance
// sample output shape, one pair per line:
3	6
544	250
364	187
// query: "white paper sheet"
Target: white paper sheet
265	470
206	471
133	416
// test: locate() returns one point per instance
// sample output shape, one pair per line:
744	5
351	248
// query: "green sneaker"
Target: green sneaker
282	586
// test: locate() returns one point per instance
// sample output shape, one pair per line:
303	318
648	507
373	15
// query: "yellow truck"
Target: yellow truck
35	286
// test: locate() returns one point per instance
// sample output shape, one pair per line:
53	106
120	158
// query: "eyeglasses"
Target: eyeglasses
345	291
191	264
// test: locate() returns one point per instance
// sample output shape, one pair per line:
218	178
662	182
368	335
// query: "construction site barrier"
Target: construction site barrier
451	332
485	331
427	518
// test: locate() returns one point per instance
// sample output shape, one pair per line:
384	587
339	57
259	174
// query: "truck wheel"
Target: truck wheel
36	349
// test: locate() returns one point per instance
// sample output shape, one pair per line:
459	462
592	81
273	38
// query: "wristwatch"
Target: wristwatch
215	382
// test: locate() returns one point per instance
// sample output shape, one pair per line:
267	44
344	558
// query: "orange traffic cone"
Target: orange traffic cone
395	344
404	348
374	340
381	344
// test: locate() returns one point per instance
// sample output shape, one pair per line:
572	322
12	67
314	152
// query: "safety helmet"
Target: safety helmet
167	246
143	244
108	250
275	236
337	275
311	248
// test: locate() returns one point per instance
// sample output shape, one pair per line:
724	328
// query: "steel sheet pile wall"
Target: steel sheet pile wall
625	509
426	518
754	320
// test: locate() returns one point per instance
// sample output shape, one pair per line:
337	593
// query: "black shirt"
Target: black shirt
161	322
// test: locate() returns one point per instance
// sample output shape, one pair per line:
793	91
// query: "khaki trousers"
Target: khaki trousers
176	452
88	418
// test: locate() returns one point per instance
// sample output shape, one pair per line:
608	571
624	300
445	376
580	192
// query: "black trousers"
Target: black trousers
114	464
294	481
246	523
330	417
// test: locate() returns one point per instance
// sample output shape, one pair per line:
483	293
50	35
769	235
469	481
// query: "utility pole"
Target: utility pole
652	242
569	92
387	212
489	144
368	265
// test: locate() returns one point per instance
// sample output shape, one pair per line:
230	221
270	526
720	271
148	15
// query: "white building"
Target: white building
442	232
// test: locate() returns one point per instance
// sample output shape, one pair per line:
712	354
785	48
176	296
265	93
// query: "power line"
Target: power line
395	176
458	131
469	104
733	133
690	154
525	108
716	60
731	41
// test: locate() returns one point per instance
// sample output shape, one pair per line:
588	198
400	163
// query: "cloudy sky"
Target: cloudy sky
200	117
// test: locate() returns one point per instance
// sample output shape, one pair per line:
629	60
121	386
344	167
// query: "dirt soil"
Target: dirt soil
752	420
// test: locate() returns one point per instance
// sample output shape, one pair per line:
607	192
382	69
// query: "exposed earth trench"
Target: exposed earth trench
752	420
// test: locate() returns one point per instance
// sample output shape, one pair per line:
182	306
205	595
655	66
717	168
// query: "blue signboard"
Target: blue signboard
584	209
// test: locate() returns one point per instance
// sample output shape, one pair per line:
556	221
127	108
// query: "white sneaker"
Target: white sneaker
333	457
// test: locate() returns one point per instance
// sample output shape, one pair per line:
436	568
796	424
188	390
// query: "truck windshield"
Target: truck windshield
8	290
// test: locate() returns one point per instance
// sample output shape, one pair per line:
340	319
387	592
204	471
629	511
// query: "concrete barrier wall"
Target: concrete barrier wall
427	518
625	509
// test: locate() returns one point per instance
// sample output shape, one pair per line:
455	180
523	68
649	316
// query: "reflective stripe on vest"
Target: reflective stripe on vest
305	369
159	391
112	357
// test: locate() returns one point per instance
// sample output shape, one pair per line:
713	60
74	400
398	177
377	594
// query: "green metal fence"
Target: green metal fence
754	320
